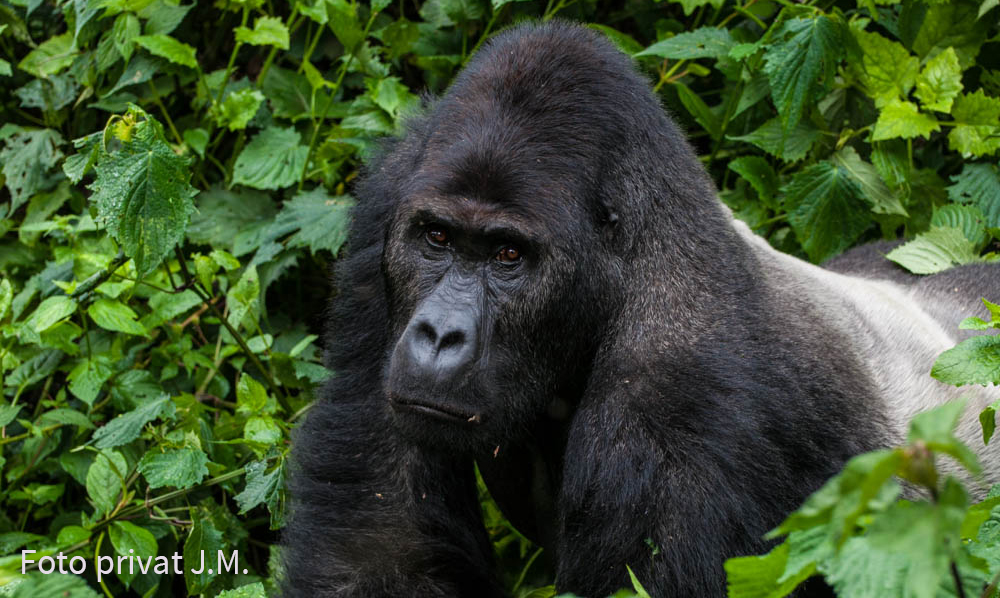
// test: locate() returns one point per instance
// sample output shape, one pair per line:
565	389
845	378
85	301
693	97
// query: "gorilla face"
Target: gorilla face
478	297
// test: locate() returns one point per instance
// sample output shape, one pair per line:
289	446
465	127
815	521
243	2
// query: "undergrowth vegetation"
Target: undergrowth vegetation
176	183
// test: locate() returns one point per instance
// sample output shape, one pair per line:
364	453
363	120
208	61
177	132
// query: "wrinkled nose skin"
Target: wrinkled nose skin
439	344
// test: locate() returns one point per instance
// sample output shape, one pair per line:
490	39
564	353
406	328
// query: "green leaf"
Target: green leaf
392	95
238	109
67	417
115	316
105	478
988	420
873	188
251	396
936	250
979	183
123	34
167	47
977	124
250	590
8	413
267	31
263	488
262	429
50	57
180	468
50	312
902	119
244	298
6	297
951	24
142	192
975	360
321	220
690	5
940	81
790	147
131	540
197	139
756	171
224	214
88	376
27	158
706	42
936	427
826	209
37	584
699	110
758	576
274	159
203	540
887	70
800	66
969	219
126	427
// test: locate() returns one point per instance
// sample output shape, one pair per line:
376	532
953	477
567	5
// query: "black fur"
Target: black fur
642	377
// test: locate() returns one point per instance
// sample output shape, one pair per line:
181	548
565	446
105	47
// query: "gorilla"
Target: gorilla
541	280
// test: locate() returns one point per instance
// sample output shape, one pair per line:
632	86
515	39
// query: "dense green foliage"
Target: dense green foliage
176	183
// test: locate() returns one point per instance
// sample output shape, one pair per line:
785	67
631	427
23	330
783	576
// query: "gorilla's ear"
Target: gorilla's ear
607	216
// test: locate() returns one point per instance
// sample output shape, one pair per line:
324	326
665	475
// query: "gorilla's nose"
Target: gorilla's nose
440	345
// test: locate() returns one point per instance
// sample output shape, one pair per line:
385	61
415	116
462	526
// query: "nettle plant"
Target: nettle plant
175	183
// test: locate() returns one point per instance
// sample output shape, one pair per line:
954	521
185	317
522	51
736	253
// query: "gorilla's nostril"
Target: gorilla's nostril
455	338
426	332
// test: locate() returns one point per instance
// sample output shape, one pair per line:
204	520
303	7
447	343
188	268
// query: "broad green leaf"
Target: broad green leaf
706	42
974	361
321	220
262	429
938	249
690	5
244	298
790	147
131	540
36	584
758	576
178	468
980	184
8	413
50	312
126	427
167	47
142	192
50	57
988	420
623	41
873	188
392	95
27	158
6	297
105	478
902	119
204	541
88	376
251	396
699	110
123	34
977	124
802	64
71	534
115	316
267	31
936	428
826	209
238	109
967	218
197	139
67	417
887	70
222	214
250	590
951	24
940	81
274	159
346	26
263	488
756	171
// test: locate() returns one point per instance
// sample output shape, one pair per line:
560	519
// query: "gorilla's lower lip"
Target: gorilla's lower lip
445	412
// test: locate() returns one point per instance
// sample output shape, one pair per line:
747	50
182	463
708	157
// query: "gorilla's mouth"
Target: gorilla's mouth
447	413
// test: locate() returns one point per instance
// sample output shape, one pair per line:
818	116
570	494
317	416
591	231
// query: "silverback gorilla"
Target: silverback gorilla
540	279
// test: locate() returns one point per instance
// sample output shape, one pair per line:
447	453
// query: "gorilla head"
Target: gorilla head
503	255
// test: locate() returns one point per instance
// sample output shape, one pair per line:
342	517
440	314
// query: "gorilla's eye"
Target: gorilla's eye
509	255
437	236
